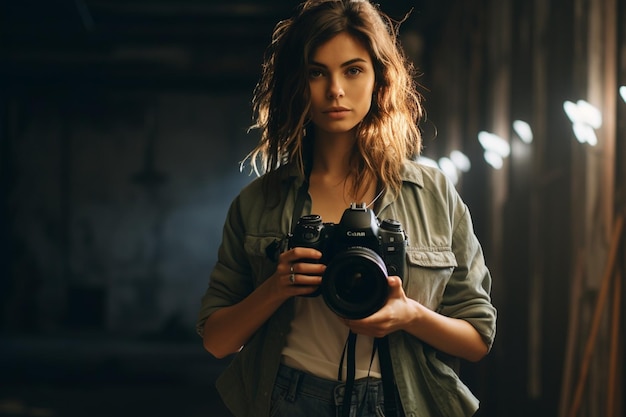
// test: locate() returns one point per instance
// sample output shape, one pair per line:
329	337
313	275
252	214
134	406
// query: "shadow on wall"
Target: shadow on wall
117	204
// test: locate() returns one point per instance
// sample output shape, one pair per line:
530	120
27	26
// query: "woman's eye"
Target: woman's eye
314	73
354	71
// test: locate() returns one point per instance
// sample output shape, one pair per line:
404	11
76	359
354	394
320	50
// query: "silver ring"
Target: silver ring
292	277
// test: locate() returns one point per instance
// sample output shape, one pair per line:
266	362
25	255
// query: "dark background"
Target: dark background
122	125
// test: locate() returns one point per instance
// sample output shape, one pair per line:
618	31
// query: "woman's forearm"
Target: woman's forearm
229	328
453	336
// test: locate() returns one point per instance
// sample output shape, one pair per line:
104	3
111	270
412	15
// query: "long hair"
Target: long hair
387	135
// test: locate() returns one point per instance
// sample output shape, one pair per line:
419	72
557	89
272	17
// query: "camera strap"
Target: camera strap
301	196
278	246
386	369
389	385
350	348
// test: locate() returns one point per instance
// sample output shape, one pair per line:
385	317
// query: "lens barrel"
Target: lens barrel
354	284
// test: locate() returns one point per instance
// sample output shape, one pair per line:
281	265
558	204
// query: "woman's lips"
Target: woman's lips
337	113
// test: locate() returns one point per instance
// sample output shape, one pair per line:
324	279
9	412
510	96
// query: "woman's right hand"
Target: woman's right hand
297	273
229	328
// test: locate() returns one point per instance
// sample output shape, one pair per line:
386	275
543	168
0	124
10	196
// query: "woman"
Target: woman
338	110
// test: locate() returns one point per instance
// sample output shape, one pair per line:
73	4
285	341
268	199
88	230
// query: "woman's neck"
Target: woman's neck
331	183
332	155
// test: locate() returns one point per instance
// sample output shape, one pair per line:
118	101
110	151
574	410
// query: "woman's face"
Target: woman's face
341	82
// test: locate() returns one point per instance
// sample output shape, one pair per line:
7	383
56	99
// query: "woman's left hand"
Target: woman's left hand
393	316
453	336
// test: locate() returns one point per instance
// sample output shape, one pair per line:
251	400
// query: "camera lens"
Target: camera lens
354	284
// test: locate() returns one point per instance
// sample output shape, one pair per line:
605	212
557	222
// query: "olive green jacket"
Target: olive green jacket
445	271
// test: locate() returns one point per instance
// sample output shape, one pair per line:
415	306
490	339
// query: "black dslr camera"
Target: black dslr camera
359	253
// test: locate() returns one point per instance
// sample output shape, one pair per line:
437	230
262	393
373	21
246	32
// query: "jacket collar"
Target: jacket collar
412	172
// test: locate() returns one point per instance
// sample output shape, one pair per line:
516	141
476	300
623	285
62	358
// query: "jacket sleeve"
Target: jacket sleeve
231	279
467	294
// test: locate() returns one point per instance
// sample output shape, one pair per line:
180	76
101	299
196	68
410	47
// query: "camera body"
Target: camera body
359	253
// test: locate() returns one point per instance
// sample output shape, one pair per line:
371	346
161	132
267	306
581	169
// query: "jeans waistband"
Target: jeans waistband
298	382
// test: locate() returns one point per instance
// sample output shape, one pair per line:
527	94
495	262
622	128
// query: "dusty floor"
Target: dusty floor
44	377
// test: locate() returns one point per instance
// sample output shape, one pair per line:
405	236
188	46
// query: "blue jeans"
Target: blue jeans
299	394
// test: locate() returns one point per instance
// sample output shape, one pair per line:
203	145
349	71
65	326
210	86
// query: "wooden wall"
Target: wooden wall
550	220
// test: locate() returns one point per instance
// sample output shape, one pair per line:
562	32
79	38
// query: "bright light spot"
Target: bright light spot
622	92
571	110
585	133
585	118
494	143
427	161
583	112
460	160
590	114
449	169
523	130
493	159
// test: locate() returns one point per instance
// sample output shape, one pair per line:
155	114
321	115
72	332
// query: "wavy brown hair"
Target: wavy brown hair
387	135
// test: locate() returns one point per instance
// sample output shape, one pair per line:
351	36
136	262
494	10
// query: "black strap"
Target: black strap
350	374
301	196
386	369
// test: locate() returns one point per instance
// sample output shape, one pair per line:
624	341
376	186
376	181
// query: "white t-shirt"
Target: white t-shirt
317	340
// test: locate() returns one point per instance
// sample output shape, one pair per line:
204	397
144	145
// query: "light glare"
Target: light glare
571	110
460	160
494	143
622	92
590	114
583	112
493	159
585	133
449	169
585	118
523	130
424	160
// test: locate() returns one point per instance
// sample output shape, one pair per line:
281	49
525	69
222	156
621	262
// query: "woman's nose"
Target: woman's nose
335	89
